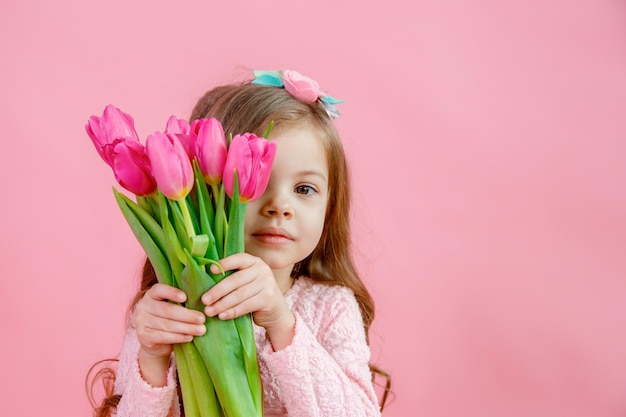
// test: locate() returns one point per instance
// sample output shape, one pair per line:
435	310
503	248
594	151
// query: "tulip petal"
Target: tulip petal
170	165
118	124
177	126
131	166
209	148
252	158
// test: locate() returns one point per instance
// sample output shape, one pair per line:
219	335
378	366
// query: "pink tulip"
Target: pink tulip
170	165
130	165
252	158
114	124
209	147
181	128
301	87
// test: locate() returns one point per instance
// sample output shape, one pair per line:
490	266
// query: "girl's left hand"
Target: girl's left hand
252	288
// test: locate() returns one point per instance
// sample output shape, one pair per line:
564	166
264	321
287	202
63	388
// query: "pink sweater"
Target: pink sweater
323	373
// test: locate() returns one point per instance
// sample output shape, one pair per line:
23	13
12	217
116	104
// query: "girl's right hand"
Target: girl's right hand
159	325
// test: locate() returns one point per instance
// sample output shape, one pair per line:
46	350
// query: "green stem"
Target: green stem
215	190
221	223
190	400
187	218
202	386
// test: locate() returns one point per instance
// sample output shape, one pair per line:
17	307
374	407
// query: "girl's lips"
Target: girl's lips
272	235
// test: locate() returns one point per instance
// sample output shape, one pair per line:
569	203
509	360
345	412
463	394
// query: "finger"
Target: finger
237	261
153	338
249	305
162	292
149	306
228	285
175	312
172	326
241	299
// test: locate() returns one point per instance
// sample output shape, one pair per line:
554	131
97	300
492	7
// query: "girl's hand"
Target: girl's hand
160	324
252	288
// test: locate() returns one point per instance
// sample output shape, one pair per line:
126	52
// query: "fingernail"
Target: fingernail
215	269
210	311
201	330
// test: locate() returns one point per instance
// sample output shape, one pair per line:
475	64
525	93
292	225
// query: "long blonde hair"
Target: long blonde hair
248	107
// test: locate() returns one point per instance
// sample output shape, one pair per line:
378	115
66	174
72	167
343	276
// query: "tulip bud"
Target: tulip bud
180	128
209	147
170	165
131	166
252	158
114	124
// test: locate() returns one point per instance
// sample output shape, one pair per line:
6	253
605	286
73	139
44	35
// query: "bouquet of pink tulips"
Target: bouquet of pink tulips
191	186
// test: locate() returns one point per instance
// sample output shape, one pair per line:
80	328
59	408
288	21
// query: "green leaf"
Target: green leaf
154	205
199	245
267	132
147	221
173	250
179	224
190	398
156	257
205	213
202	386
220	222
144	203
194	282
205	261
191	206
205	207
221	350
251	364
236	221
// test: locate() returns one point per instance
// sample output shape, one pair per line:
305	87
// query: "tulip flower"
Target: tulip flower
251	157
114	124
130	165
218	372
170	165
180	128
209	147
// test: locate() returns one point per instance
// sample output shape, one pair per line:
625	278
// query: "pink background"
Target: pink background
487	146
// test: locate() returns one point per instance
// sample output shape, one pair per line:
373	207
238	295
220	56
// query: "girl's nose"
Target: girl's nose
278	207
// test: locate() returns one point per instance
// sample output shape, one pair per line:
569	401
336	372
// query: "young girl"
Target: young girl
310	308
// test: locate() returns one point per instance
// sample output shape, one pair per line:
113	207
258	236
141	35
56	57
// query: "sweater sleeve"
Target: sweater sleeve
326	375
140	399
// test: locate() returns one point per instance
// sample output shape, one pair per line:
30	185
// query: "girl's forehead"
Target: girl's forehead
298	137
301	149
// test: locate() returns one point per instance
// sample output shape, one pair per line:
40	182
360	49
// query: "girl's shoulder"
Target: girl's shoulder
324	307
310	291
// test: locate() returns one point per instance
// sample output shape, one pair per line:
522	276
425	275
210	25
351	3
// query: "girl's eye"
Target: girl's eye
305	189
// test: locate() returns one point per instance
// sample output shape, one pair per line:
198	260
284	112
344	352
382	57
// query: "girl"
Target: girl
310	308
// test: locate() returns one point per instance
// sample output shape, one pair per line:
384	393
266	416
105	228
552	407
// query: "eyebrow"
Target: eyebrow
312	172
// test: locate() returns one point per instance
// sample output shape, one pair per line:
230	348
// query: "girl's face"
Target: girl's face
284	226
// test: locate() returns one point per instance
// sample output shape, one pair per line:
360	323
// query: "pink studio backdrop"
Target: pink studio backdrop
487	146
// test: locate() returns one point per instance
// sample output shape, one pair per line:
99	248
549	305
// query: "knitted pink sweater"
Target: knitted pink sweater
323	373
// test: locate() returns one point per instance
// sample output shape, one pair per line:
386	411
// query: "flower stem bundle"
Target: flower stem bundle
191	187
